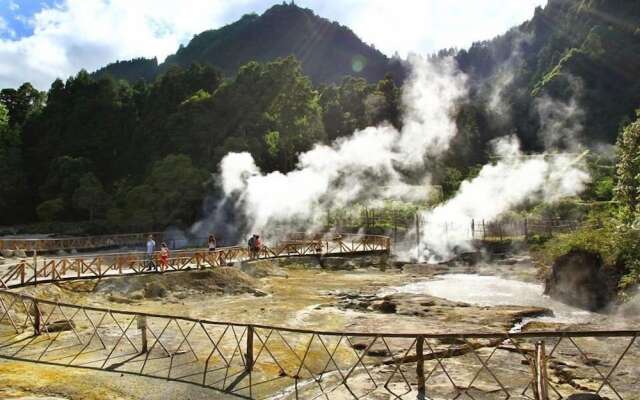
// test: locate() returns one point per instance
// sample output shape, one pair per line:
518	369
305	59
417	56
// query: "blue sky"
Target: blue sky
41	40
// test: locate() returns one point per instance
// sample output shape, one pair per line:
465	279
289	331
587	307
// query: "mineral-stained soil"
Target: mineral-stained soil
304	293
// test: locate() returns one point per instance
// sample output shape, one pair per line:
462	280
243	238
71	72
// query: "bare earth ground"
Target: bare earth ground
305	296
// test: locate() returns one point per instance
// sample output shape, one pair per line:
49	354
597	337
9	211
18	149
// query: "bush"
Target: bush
50	210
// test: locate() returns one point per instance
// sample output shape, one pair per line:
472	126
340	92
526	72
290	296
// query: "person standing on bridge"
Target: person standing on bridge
251	246
212	243
258	246
164	257
151	247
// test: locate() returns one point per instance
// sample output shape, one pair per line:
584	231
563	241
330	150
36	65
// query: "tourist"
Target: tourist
212	243
151	247
252	246
258	246
164	257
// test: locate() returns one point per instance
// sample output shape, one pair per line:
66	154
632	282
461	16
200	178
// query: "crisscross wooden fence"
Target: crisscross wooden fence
259	361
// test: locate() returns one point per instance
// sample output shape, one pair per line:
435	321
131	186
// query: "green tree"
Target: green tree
171	194
63	179
628	168
14	201
90	195
50	210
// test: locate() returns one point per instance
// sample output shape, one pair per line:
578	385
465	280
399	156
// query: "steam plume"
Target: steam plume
360	168
365	168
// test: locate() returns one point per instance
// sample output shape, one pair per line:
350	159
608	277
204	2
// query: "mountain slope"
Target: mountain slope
327	50
587	51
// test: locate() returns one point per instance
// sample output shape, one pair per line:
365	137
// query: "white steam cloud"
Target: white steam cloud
365	168
497	189
359	168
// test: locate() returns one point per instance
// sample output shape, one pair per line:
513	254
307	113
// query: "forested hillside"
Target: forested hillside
138	156
327	50
135	153
583	53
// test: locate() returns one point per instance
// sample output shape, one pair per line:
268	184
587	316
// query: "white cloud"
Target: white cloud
90	33
426	25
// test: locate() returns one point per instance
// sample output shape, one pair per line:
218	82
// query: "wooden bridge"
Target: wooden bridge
261	361
31	270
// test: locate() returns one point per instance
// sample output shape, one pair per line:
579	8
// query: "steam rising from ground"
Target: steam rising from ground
497	189
360	168
365	167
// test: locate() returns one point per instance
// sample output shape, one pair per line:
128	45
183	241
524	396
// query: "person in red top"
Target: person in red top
164	257
257	246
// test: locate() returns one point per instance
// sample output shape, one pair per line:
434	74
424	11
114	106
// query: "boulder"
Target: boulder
385	306
578	278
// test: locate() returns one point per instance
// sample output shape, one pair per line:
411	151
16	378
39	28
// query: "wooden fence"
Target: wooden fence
33	270
261	361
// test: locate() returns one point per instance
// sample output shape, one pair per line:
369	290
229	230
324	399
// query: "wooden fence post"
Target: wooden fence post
249	355
420	366
473	229
540	386
417	237
36	318
142	325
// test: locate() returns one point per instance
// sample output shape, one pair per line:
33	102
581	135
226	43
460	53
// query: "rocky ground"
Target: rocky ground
343	294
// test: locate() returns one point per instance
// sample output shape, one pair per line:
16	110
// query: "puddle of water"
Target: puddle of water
493	291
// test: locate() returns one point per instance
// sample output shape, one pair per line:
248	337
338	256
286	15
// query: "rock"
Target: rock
2	260
114	298
303	261
584	396
137	295
6	253
61	253
259	293
154	290
337	263
73	251
469	258
384	306
377	349
262	268
506	261
20	253
578	278
59	326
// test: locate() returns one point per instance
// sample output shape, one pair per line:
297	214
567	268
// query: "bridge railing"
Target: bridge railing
30	271
78	243
260	361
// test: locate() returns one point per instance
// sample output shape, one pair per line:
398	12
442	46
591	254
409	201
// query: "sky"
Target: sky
41	40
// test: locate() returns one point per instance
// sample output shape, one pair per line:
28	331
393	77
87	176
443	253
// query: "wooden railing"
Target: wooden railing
29	271
77	243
